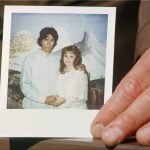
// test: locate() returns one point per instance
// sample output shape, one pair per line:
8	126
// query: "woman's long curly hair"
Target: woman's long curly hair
78	59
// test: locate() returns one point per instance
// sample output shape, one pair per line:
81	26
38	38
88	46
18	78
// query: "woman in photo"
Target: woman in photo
72	83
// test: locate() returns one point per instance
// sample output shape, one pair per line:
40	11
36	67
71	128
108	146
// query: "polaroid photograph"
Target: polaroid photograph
57	69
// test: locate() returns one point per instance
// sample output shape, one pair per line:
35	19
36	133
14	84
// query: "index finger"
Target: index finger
126	92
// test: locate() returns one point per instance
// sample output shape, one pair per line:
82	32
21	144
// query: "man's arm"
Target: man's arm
26	84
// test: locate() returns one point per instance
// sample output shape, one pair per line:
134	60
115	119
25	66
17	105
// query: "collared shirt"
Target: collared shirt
38	78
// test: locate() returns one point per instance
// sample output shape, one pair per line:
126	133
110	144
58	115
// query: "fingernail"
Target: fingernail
97	130
112	136
146	135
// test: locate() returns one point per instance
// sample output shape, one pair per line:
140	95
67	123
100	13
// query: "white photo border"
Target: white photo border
51	123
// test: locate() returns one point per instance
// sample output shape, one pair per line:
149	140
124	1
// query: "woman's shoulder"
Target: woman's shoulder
73	73
80	72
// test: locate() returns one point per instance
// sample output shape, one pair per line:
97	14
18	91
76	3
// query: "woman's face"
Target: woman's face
48	43
69	58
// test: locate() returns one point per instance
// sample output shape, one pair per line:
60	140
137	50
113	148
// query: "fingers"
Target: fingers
81	67
50	99
136	115
123	96
54	100
58	101
130	87
143	135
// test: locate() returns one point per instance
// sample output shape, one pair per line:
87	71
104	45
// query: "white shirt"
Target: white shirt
73	86
38	78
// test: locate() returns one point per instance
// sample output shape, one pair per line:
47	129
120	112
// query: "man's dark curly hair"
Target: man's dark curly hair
48	31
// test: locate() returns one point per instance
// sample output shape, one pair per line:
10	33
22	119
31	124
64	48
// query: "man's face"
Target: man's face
47	44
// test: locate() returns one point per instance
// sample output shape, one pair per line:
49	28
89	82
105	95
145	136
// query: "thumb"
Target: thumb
128	122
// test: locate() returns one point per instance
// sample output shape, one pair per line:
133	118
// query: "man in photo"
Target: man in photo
39	73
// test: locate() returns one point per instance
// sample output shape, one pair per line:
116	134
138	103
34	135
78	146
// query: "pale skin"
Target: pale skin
69	58
127	112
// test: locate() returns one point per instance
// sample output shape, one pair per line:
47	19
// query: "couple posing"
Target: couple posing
46	83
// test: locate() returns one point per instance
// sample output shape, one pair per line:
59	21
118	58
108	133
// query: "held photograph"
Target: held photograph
56	60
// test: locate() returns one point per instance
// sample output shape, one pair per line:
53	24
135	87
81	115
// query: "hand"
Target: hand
127	112
81	67
50	100
59	101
